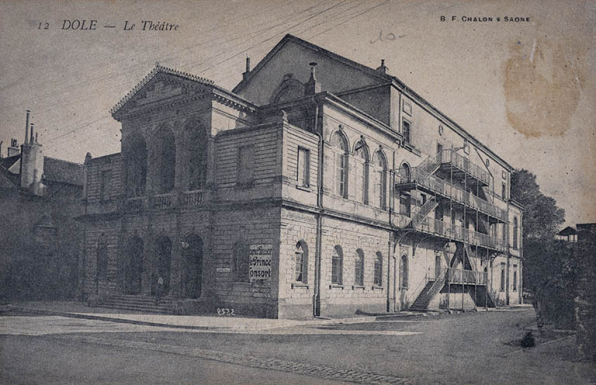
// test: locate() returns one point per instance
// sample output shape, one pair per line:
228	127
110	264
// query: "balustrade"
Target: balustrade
191	198
459	276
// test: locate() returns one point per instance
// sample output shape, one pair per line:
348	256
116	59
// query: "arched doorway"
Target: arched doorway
192	271
163	259
134	268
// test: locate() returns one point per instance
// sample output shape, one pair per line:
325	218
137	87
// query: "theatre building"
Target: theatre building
317	186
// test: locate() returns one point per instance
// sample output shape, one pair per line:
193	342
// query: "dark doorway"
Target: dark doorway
134	269
163	254
192	269
437	266
439	153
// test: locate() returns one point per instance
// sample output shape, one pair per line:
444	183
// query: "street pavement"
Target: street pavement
470	348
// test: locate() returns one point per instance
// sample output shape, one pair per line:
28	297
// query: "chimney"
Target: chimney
27	127
382	68
312	86
1	149
247	72
32	162
14	147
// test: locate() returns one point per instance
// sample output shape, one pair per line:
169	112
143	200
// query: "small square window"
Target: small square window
303	172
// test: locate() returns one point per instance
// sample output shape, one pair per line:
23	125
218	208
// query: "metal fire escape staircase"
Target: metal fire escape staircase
423	172
431	289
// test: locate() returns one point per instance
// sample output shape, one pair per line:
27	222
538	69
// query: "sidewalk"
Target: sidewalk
196	322
199	322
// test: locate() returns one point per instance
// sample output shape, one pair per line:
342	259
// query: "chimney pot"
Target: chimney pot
312	86
247	72
27	127
382	67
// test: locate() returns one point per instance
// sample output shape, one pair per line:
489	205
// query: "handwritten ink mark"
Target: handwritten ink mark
388	37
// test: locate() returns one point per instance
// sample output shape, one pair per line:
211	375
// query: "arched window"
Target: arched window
515	230
289	89
134	150
337	262
102	258
165	160
195	142
380	179
340	149
359	268
240	262
301	255
361	165
378	279
404	173
403	269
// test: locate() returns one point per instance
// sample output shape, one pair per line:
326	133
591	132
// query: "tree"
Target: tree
542	216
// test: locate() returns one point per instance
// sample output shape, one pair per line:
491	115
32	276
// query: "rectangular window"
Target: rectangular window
502	288
104	185
514	277
406	131
303	175
246	164
504	190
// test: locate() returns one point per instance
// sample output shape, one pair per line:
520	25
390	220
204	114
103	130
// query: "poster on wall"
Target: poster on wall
259	267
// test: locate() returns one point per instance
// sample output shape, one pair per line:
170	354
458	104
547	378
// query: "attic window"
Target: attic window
289	89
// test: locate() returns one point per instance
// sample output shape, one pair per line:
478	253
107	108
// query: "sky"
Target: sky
524	88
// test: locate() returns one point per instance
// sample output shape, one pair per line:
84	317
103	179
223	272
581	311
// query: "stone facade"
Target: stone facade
288	196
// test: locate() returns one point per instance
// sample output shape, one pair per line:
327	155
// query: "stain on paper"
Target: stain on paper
543	84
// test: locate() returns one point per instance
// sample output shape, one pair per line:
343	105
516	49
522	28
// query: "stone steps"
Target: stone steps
140	303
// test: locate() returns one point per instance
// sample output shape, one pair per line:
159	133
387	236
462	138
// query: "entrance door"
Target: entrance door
437	266
439	153
134	270
192	273
163	253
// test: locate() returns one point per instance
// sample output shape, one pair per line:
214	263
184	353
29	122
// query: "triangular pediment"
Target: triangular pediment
162	85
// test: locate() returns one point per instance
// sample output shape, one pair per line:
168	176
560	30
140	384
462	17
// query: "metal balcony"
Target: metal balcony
452	232
442	187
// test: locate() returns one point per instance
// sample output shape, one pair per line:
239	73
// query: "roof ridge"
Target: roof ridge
62	160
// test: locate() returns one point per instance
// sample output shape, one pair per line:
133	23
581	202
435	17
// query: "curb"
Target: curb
117	320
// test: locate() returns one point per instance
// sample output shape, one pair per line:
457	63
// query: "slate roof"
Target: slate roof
54	170
58	170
